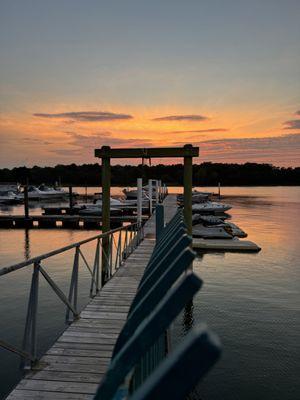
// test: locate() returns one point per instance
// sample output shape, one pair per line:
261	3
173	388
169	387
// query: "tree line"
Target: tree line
205	174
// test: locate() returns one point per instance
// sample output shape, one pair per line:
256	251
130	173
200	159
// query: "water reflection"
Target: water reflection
26	244
188	317
250	300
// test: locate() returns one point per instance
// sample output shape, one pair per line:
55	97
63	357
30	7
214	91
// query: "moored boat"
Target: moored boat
210	207
43	192
9	198
210	232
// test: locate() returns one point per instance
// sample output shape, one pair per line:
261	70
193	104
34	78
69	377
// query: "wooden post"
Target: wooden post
139	199
219	190
105	213
159	220
188	183
156	193
26	207
70	198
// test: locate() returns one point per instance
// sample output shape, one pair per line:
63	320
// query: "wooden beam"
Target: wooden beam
152	152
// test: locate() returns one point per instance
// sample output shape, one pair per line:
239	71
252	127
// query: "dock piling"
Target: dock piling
188	183
26	206
70	197
105	212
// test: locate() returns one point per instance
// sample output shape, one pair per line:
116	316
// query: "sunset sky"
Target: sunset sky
79	74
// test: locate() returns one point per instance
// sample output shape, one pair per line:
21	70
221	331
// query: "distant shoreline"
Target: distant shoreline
206	174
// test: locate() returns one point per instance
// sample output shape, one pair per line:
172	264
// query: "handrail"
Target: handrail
15	267
100	274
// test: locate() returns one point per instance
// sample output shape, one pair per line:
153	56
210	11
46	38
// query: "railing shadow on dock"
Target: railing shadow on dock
128	238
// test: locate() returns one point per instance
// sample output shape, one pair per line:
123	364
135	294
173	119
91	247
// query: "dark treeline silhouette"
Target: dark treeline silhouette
205	174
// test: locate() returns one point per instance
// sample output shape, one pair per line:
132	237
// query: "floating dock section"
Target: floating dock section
225	245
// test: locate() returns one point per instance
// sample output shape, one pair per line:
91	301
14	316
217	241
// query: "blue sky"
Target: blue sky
236	62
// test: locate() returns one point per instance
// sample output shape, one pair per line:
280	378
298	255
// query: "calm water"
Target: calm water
250	300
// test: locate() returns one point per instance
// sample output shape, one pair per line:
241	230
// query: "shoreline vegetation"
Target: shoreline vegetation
204	174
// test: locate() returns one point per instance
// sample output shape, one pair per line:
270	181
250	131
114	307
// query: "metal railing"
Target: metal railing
141	366
104	266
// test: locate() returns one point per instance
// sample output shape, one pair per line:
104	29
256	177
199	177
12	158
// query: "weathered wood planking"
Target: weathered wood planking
73	367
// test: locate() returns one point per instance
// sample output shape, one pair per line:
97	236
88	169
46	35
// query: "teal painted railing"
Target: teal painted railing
142	366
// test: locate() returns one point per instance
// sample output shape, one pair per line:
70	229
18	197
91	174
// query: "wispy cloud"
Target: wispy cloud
279	150
86	144
292	124
191	117
86	116
212	130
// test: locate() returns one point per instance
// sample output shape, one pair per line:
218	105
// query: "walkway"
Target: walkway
72	368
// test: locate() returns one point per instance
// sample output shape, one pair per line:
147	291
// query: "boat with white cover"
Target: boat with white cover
133	194
9	198
43	192
97	211
210	232
210	206
197	197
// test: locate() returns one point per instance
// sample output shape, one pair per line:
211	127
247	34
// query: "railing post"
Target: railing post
95	275
159	220
30	338
111	249
118	252
124	254
73	292
120	248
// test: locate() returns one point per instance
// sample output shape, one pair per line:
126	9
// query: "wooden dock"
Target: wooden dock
62	221
73	367
229	245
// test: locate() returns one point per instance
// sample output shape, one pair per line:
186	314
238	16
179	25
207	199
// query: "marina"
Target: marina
237	261
149	200
63	221
149	253
80	357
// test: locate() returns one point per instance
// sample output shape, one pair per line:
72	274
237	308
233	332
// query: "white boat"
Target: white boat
49	192
114	203
9	187
97	211
9	198
212	221
210	206
43	193
209	219
133	194
197	197
234	230
210	232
